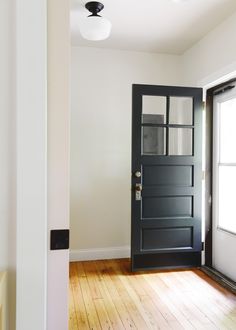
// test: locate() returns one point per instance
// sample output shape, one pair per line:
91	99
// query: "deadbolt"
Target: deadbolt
138	190
138	187
137	174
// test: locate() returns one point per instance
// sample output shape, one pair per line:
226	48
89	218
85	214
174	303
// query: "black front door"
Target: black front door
166	177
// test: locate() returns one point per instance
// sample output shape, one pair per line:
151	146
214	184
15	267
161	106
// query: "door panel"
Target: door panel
166	196
167	207
166	238
170	175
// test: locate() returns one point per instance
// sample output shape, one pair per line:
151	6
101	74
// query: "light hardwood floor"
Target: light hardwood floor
106	295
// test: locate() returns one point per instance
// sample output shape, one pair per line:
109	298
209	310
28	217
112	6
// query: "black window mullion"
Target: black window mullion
170	125
167	122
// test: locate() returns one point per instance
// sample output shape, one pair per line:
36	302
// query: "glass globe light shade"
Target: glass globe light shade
179	1
95	28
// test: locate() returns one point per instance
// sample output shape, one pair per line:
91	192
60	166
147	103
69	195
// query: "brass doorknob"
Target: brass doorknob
137	174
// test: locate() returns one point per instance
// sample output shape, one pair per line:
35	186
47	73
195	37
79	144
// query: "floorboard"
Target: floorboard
105	294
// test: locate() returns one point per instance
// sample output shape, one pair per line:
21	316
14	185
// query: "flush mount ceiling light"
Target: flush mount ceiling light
179	1
94	27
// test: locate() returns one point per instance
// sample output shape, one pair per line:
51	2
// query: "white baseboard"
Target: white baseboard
100	253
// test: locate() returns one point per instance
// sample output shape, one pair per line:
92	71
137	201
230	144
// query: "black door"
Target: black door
166	177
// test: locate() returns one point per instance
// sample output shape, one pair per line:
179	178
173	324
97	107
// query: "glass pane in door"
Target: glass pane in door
181	111
154	109
153	140
180	141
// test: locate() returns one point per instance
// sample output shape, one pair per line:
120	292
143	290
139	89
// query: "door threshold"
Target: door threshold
220	278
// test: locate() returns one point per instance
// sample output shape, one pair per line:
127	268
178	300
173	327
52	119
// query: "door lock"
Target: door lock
137	174
138	189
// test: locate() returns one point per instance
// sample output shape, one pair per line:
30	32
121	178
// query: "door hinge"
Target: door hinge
203	105
203	246
210	200
203	175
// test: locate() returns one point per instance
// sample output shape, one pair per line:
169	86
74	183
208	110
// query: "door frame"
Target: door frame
42	167
209	169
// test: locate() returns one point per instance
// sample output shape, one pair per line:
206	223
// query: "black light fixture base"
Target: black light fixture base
94	7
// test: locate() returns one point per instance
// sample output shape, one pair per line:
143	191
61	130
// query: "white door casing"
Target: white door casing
42	101
58	157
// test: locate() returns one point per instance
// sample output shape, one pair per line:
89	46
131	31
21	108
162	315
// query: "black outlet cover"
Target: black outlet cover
59	239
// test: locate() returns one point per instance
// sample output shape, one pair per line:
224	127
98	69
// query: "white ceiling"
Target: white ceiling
161	26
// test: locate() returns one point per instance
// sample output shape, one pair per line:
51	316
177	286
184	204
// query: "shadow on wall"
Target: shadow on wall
100	210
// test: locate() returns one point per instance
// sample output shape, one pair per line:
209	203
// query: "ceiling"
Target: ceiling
160	26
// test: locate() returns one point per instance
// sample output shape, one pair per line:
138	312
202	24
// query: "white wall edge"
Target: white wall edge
31	164
100	253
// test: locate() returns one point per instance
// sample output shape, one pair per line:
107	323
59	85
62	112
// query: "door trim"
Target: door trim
43	64
209	169
58	144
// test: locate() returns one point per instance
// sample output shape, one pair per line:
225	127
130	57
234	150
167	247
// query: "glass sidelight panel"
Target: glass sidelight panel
227	183
227	132
180	141
181	110
153	140
154	109
226	164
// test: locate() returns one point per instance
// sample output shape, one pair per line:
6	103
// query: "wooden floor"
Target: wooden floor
106	295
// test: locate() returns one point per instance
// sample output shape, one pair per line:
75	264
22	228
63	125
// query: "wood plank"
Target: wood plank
211	300
151	309
200	297
106	273
107	295
137	316
91	312
167	298
139	302
106	310
73	324
196	316
79	306
173	323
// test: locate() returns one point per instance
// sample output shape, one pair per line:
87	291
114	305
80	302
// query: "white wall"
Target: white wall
101	82
213	56
101	128
209	62
7	150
